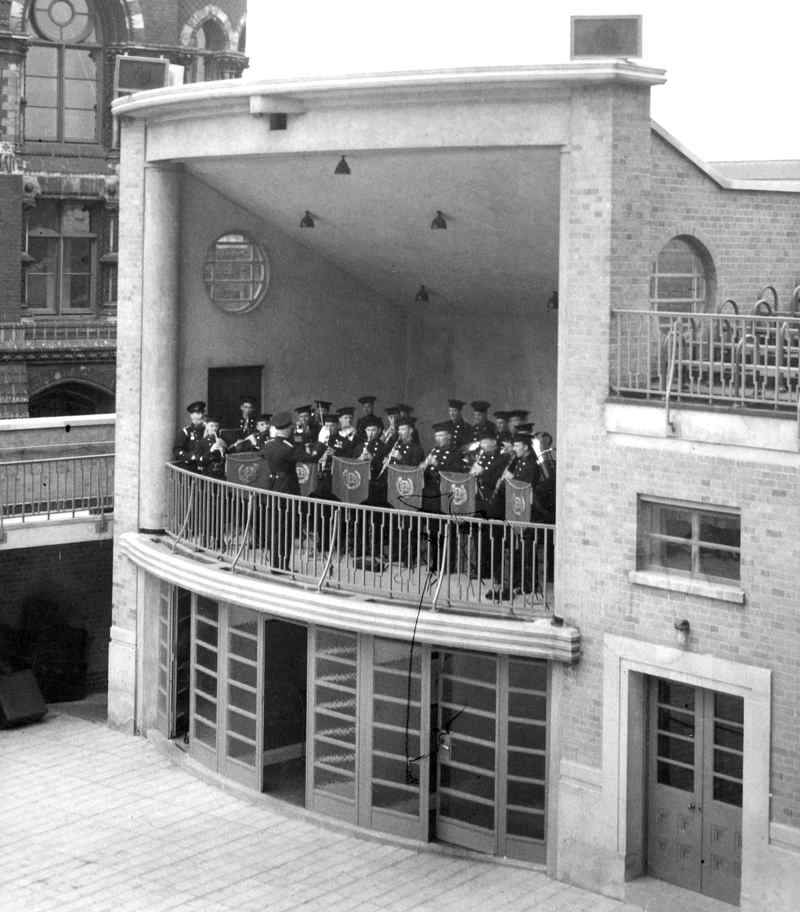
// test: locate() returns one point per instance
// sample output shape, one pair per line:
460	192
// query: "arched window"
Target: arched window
208	37
70	397
681	277
62	72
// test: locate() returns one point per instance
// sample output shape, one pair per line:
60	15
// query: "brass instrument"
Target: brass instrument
388	458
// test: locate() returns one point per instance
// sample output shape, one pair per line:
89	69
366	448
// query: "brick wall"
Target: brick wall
10	245
77	578
642	191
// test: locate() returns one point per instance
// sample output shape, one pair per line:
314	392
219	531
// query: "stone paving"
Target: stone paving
94	820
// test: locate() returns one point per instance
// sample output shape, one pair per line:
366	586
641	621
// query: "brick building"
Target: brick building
59	180
634	716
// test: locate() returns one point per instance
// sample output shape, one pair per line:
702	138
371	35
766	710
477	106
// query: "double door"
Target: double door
695	788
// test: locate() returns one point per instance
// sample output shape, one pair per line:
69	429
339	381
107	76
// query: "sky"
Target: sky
732	90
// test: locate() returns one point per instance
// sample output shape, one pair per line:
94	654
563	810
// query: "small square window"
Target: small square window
692	541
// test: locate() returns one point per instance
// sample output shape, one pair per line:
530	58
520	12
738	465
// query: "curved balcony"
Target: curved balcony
434	561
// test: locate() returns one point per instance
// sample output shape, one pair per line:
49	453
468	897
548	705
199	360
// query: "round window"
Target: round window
63	20
236	273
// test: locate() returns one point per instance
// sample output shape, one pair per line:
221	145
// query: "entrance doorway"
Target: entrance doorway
694	817
226	387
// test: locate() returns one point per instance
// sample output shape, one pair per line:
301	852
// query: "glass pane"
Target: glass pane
531	826
243	699
680	695
391	769
531	766
675	722
728	736
674	522
677	256
205	682
480	815
729	707
526	794
76	218
676	749
672	555
727	763
727	791
76	292
530	674
241	725
463	693
207	658
41	61
391	741
41	123
720	529
470	665
41	291
241	751
242	673
329	778
530	736
724	564
243	647
78	256
41	91
207	609
80	95
468	782
206	633
80	64
481	727
675	776
205	733
397	714
401	687
405	801
675	287
243	621
80	126
205	708
336	730
528	706
479	755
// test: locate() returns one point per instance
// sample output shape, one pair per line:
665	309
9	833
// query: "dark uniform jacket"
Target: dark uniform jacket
246	427
484	429
344	446
448	459
488	501
209	457
544	494
257	440
526	469
187	444
406	454
460	433
282	457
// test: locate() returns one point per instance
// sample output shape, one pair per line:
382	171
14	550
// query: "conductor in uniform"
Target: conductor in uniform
187	444
281	456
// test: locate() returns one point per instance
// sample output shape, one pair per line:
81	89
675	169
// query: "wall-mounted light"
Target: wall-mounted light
421	296
307	221
439	222
682	630
342	167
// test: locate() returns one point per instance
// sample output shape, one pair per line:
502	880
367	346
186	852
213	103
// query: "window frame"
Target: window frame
699	277
258	260
647	535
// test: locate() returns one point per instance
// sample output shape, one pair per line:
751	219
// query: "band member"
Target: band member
442	457
481	426
258	439
405	451
501	424
304	433
367	404
247	417
321	409
323	452
344	444
460	431
372	450
404	414
189	436
516	417
544	490
210	451
281	456
389	434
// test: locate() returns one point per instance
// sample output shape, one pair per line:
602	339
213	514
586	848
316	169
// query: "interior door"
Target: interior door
467	760
695	788
226	386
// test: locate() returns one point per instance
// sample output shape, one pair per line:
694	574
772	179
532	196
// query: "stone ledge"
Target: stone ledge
722	592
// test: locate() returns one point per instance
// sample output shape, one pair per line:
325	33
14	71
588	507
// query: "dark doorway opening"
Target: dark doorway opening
71	398
226	386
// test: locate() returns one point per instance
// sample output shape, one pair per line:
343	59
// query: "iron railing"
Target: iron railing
56	334
460	562
66	487
724	359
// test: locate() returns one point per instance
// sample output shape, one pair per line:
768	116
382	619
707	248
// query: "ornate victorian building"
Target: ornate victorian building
59	155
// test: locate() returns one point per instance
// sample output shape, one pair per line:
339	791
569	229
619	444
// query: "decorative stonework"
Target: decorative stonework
203	15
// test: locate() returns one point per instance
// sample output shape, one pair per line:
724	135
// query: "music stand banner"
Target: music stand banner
519	495
307	477
404	486
247	469
350	479
458	493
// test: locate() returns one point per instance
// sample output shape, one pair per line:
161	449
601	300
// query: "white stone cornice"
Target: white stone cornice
293	601
481	83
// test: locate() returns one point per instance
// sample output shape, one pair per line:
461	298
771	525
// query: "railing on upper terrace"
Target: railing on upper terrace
719	359
441	562
63	488
56	334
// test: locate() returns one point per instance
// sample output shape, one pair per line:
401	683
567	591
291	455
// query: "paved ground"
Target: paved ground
94	820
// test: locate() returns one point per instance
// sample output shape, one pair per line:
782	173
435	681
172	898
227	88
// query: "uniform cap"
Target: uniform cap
196	406
265	416
526	427
303	410
372	422
455	403
402	407
503	415
322	404
406	422
518	413
245	399
282	420
479	405
330	419
367	400
441	426
346	410
521	437
392	410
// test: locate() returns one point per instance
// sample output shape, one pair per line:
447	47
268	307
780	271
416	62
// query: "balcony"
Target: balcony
431	561
57	335
723	360
77	489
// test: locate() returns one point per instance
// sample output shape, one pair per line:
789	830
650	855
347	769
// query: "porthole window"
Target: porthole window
236	273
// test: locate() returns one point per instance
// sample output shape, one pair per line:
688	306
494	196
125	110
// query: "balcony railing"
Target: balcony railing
55	334
62	488
721	359
437	561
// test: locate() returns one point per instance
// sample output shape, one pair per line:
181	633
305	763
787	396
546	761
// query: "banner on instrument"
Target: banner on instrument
404	486
518	501
307	477
457	492
247	469
350	479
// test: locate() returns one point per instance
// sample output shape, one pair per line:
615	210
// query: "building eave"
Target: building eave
296	94
538	638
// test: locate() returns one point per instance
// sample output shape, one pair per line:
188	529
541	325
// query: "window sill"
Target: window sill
723	592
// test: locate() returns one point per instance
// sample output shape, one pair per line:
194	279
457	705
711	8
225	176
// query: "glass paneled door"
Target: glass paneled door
695	788
174	637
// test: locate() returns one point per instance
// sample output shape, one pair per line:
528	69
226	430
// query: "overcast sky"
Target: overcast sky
732	74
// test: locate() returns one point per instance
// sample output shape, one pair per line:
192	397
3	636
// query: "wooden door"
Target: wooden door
695	788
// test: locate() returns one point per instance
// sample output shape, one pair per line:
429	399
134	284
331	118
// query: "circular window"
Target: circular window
236	273
62	20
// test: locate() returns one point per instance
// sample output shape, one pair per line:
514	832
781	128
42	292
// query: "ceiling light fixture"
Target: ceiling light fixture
439	221
307	221
342	167
421	296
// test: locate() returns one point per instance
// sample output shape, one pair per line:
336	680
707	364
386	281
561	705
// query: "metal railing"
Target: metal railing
58	334
459	562
728	359
66	487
